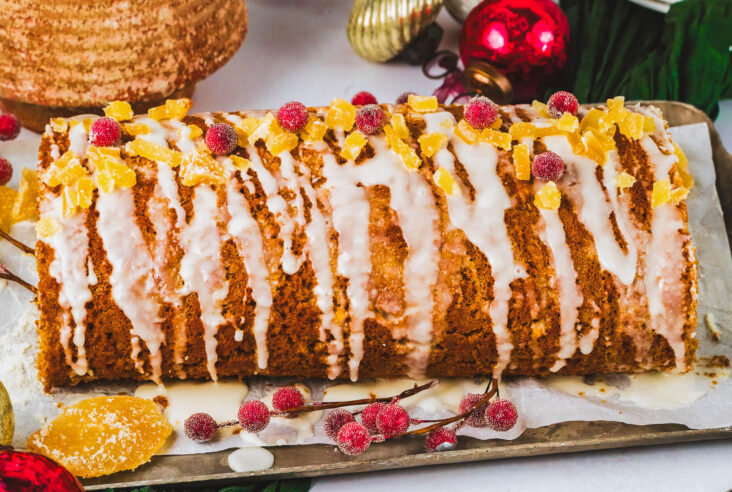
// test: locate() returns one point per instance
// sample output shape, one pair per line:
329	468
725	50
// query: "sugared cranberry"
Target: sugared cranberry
403	97
200	427
393	420
287	398
6	171
369	414
24	471
501	415
105	132
363	98
547	166
9	126
477	416
481	112
442	439
221	138
335	420
353	438
370	119
253	416
293	116
562	102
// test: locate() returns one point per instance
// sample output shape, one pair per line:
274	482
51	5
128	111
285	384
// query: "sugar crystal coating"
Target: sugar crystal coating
369	414
200	427
501	415
441	439
105	132
6	171
370	119
9	127
334	420
562	102
481	112
353	439
363	98
477	416
253	416
286	398
292	116
392	420
221	138
547	166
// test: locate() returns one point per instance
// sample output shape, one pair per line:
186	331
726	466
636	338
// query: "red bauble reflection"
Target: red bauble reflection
31	472
527	40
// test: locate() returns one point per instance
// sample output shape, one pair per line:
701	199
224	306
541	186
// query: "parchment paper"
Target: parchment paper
695	400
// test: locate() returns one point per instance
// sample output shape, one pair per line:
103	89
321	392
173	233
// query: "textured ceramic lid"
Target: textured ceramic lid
89	52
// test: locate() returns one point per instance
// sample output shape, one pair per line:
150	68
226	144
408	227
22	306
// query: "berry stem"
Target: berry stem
8	275
16	243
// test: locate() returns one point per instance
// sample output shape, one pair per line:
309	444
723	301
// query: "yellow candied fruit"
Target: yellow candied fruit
280	141
71	173
47	227
249	124
445	181
624	180
683	167
134	129
500	140
400	126
661	193
25	206
103	435
616	108
497	124
240	163
87	122
449	123
198	166
7	200
596	119
59	125
540	108
422	104
119	110
262	129
52	175
595	148
649	124
678	195
341	115
154	152
522	162
548	197
352	145
112	172
194	131
467	133
567	123
522	129
409	157
314	130
173	109
432	143
632	125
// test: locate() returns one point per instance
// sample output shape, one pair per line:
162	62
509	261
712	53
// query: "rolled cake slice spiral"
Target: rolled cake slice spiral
427	249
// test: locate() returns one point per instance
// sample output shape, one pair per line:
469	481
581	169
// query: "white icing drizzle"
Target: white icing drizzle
201	268
593	208
483	224
79	139
157	134
132	277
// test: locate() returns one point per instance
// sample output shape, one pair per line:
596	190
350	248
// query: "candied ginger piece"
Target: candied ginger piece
522	129
103	435
134	129
47	227
119	110
522	162
661	193
263	128
281	141
567	123
649	124
632	125
173	109
540	109
50	176
26	202
314	130
352	145
409	157
198	166
678	195
616	108
112	172
548	197
240	163
400	126
624	180
445	181
59	125
341	115
7	200
467	133
249	124
154	152
84	192
432	143
449	123
422	104
70	174
194	131
497	124
501	140
87	122
683	167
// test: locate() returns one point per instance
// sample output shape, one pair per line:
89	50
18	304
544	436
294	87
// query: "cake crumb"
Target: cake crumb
711	323
161	401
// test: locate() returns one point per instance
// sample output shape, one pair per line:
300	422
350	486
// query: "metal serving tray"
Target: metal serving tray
319	459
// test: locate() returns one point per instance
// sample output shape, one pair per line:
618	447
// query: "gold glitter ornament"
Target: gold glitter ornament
7	418
378	30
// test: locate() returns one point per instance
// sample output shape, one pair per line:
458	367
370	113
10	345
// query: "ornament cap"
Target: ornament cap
485	79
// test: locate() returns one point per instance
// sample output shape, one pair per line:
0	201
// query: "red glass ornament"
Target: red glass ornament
527	40
30	472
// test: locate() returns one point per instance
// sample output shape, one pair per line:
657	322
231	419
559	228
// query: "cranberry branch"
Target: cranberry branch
8	275
16	243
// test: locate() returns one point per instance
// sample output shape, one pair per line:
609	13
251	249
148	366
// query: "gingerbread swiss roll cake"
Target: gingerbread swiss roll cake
426	247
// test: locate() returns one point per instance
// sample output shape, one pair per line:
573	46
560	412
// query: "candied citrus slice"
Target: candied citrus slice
134	129
154	152
522	129
567	123
279	140
119	110
341	115
263	128
522	162
409	157
198	166
548	197
632	126
240	163
314	130
173	109
540	108
624	180
25	206
103	435
467	133
422	104
661	193
7	200
352	145
399	125
432	143
445	181
500	140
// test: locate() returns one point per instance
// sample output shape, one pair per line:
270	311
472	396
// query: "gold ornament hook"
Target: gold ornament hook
485	79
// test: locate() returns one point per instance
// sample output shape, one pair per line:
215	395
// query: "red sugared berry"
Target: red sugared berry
480	112
363	98
335	420
105	132
547	166
25	471
200	427
369	414
501	415
221	138
9	126
370	119
253	416
286	398
562	102
353	438
393	420
477	416
293	116
403	97
6	171
442	439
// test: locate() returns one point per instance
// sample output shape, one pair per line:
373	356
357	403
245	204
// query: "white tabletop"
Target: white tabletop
297	50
